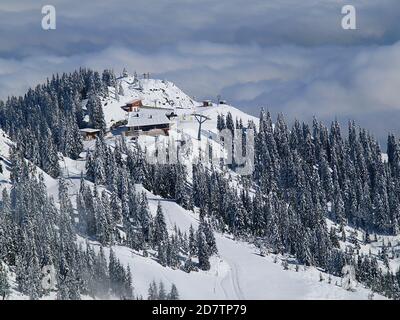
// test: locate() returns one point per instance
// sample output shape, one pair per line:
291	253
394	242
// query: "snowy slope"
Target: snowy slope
152	92
5	144
238	271
223	109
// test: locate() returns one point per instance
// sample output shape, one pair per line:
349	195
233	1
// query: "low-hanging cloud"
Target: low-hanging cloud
286	55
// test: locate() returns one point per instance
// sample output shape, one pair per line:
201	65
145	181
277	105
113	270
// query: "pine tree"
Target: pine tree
209	236
145	218
189	265
162	253
105	226
182	192
203	253
221	122
173	294
153	291
192	242
115	208
128	290
64	199
4	284
229	122
162	295
95	112
160	234
121	89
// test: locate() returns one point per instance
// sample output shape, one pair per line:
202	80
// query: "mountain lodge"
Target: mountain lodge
207	103
149	121
133	106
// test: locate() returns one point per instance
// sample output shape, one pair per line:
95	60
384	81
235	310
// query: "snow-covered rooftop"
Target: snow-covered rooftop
89	130
148	117
152	92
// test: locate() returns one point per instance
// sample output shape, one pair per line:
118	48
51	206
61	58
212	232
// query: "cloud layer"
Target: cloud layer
287	55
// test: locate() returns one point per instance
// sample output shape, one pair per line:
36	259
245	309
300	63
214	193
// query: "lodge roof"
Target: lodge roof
148	117
89	130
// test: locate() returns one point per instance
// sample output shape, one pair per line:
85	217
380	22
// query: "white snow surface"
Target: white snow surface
238	271
148	117
152	92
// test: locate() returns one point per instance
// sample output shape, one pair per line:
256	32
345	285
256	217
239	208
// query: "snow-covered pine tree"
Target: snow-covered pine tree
192	242
202	251
95	112
64	199
173	294
153	291
160	233
4	284
162	294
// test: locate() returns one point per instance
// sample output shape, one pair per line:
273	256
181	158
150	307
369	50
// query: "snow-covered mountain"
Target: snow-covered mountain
152	92
239	271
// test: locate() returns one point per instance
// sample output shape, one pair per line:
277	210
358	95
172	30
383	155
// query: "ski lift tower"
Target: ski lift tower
201	118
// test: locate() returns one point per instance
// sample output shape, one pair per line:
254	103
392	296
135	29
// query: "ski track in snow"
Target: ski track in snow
232	278
237	272
236	281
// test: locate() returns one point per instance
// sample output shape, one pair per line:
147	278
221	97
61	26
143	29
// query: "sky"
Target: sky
287	56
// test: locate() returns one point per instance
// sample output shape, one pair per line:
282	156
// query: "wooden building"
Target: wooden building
89	133
133	106
207	103
149	121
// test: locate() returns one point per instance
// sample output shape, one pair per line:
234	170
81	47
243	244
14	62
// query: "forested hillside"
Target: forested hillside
310	182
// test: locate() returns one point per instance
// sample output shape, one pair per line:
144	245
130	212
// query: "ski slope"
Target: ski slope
238	271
